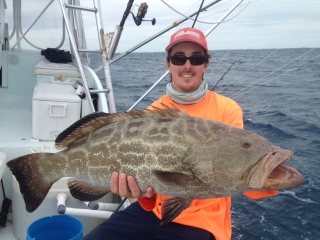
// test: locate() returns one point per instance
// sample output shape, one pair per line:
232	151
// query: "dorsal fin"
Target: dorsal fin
80	128
97	120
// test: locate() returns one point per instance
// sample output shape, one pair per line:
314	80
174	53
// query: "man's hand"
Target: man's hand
127	186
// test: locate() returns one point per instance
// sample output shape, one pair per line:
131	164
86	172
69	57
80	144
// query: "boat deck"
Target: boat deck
6	232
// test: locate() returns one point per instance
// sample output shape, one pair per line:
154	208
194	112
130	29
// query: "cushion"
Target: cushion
45	67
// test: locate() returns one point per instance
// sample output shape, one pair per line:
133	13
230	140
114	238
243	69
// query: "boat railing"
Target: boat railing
77	42
3	7
103	49
41	13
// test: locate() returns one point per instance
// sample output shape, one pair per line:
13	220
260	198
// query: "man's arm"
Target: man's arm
261	194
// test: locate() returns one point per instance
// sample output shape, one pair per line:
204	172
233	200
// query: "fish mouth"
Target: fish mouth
278	175
272	173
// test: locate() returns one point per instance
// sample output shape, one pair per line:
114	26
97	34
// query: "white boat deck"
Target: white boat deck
6	232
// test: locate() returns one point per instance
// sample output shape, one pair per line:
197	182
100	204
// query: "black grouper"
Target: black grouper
176	154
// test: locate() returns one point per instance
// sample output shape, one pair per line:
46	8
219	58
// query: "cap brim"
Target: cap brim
184	40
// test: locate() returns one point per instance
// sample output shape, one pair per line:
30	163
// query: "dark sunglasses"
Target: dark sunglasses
195	60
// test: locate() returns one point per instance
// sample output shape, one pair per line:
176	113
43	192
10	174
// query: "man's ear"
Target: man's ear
206	66
168	66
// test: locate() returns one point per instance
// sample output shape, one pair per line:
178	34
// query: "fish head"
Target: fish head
242	161
260	164
268	169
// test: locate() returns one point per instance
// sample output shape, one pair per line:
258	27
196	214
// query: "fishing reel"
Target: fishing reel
142	11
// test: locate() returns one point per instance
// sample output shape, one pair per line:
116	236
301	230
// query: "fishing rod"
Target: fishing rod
229	69
142	11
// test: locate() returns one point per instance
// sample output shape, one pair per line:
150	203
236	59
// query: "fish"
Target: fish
176	154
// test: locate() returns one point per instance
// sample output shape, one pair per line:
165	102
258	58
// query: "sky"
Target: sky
260	24
255	24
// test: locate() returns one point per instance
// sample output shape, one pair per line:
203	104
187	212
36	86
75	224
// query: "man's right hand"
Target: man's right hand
127	186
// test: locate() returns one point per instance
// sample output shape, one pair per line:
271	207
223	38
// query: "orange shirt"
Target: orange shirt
212	215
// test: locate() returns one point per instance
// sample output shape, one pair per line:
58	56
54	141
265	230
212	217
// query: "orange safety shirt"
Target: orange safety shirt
212	215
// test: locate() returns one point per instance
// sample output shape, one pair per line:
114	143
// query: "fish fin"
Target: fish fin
172	178
80	128
32	185
84	191
167	111
172	207
97	120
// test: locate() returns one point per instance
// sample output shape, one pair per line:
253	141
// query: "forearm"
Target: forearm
148	203
260	194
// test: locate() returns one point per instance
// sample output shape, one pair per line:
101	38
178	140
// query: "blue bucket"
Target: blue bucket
60	227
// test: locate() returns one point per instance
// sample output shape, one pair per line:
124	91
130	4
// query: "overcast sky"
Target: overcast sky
262	24
259	24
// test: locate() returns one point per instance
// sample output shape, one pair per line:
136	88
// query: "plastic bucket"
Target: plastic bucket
60	227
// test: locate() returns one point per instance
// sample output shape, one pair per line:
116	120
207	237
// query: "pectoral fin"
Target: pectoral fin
84	191
172	178
172	207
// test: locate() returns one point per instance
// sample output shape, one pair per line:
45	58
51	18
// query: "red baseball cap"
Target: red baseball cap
188	35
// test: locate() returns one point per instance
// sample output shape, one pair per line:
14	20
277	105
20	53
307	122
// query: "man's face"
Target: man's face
186	78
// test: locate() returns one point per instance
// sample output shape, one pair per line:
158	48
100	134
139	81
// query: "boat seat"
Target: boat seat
45	67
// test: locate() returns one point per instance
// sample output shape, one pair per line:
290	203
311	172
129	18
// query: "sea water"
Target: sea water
278	90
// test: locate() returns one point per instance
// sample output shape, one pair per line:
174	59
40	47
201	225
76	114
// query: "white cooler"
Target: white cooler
55	107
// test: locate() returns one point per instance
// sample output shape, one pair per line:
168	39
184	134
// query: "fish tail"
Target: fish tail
33	185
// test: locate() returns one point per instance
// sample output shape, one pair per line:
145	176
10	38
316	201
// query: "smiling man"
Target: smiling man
187	75
187	61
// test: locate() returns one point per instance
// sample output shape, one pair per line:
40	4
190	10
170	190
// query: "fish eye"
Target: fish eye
246	143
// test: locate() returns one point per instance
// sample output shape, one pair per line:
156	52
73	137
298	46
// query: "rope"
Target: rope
243	31
242	90
203	21
249	69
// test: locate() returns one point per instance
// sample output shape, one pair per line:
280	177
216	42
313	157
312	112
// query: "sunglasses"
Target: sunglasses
195	60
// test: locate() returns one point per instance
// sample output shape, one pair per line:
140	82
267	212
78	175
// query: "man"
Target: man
187	61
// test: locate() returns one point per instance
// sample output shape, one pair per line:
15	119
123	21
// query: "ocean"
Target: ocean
278	90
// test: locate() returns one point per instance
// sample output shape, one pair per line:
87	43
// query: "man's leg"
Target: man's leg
135	223
175	231
132	223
